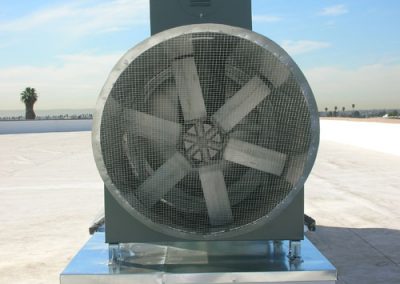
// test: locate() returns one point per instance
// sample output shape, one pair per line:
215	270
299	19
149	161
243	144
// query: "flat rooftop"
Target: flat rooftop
50	191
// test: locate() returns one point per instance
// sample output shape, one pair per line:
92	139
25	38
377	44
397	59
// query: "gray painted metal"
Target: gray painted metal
122	228
198	262
166	14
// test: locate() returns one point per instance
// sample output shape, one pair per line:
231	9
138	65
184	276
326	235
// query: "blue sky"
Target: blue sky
348	50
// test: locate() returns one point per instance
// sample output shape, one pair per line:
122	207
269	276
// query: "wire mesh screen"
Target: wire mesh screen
205	132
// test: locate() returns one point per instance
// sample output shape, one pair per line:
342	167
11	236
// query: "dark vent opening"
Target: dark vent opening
200	3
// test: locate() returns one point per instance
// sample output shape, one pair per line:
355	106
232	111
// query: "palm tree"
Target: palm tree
29	98
335	111
353	106
343	109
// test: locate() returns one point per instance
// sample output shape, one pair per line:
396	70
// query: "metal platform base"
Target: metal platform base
198	262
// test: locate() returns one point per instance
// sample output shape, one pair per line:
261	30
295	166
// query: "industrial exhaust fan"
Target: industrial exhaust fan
204	131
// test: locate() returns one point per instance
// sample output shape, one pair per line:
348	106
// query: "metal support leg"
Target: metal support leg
279	251
114	254
295	251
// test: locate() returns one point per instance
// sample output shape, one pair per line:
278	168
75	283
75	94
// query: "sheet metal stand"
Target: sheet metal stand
198	262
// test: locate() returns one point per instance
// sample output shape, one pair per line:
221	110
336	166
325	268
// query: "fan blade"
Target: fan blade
254	156
140	167
179	47
164	178
241	104
160	131
216	196
247	183
295	167
113	107
189	89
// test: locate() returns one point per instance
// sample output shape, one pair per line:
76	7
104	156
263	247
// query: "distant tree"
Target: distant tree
356	114
353	106
29	98
379	113
335	113
326	109
393	113
343	109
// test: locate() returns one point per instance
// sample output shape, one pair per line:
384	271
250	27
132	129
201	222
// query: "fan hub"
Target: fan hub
203	142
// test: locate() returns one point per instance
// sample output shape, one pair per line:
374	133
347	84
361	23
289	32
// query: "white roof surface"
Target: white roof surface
50	192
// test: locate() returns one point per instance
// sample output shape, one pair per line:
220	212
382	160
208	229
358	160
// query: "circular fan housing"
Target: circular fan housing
205	131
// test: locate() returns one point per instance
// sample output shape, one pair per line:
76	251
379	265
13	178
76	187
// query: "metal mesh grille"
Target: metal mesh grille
205	132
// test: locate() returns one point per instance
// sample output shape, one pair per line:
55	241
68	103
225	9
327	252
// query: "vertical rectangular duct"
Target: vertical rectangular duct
166	14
